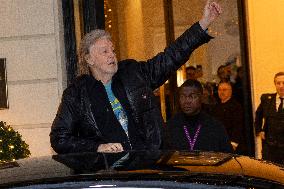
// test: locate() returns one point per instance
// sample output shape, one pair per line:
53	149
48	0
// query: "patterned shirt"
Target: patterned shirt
117	108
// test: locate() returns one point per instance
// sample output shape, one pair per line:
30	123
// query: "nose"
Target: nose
188	99
112	54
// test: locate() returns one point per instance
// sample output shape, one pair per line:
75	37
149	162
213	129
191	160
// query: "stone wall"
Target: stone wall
31	39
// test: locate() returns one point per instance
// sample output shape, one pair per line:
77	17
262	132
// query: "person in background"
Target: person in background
208	98
192	129
111	107
271	131
230	113
228	72
223	73
191	72
194	72
199	72
223	76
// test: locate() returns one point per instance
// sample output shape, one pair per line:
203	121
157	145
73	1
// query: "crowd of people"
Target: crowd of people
224	102
111	106
218	104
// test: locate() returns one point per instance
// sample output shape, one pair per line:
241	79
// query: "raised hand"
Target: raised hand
211	11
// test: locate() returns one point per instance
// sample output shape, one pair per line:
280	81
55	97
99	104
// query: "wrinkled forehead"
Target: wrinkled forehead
102	42
224	86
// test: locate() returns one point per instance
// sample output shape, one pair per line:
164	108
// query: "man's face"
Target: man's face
190	74
224	92
190	100
102	58
279	84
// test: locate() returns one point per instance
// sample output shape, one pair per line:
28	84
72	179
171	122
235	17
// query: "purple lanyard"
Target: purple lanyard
191	142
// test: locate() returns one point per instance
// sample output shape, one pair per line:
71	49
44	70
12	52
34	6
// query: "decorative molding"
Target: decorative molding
25	82
27	37
32	126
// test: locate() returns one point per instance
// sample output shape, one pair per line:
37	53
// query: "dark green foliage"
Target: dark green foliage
12	146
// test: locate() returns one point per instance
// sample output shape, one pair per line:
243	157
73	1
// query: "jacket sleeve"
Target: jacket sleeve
237	124
158	69
259	117
63	135
224	141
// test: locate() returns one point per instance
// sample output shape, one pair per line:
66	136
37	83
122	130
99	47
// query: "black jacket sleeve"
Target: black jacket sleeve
63	135
237	123
224	141
259	117
158	69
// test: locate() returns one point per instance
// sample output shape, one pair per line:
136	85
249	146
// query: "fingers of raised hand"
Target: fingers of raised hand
215	8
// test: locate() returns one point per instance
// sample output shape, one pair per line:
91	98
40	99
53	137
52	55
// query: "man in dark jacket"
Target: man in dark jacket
112	108
271	110
192	129
230	113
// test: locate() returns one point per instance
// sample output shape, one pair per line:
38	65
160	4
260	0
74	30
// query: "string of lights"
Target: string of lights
12	146
108	15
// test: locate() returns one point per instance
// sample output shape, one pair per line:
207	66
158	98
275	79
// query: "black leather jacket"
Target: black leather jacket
75	127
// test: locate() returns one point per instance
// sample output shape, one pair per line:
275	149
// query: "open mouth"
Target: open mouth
111	63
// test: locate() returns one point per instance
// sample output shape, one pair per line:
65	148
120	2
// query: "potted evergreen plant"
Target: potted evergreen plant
12	146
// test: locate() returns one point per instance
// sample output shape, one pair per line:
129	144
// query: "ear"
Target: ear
88	59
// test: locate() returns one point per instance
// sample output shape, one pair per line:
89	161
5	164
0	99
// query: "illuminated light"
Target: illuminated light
9	129
1	151
106	16
0	140
100	186
190	157
180	78
11	147
109	26
109	10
